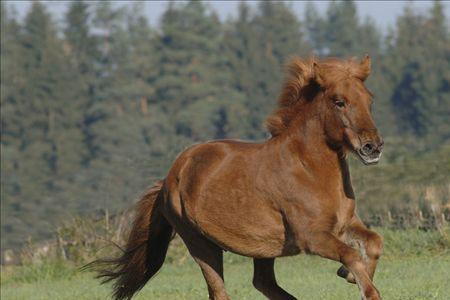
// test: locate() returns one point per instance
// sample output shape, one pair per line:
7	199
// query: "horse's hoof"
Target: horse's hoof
344	273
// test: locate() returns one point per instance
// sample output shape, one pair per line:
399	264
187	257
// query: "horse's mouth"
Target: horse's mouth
371	159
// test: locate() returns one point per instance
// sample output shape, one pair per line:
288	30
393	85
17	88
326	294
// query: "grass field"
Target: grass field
416	272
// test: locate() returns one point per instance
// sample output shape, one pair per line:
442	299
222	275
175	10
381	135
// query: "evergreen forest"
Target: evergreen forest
95	108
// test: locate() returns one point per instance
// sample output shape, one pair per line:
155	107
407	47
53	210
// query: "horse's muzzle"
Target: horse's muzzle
370	152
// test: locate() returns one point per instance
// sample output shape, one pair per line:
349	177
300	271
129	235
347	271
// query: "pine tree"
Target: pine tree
240	42
11	74
341	33
84	56
341	28
257	47
418	60
192	83
315	29
44	120
83	46
437	75
107	27
50	94
12	229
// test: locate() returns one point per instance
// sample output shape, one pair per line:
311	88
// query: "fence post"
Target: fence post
420	216
389	216
107	220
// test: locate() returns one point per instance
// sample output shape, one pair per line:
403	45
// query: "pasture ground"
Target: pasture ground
411	269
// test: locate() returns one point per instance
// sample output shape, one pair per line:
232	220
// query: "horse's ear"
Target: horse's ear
318	77
364	67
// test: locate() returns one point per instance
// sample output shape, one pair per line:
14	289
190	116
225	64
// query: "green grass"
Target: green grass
416	266
420	277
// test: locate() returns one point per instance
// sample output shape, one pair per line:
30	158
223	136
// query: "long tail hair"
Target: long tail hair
144	252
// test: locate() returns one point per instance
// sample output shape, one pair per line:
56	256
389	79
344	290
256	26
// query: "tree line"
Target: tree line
96	107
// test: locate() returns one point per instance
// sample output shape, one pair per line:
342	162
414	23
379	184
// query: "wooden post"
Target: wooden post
106	220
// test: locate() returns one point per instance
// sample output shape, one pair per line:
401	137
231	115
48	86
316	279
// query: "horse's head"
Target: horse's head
347	107
335	89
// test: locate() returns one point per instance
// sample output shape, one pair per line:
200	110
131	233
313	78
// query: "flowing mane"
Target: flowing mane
304	79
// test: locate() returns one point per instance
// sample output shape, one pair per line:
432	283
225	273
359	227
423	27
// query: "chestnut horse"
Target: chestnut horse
289	194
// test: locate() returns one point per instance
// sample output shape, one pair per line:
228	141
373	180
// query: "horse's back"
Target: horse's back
198	164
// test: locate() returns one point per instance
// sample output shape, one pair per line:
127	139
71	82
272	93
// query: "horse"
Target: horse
287	195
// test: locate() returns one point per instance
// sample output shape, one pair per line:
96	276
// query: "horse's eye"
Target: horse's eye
339	103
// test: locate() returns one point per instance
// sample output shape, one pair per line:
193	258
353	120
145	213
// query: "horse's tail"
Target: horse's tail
145	250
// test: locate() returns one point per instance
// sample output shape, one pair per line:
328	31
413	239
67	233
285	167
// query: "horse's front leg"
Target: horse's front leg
327	245
369	244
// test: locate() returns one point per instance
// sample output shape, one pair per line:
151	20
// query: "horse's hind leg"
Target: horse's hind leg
210	259
264	280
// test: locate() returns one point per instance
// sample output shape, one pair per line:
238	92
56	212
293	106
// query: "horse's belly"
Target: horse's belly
245	240
243	227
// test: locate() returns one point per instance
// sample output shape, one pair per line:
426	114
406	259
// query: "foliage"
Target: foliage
96	108
46	270
84	239
413	242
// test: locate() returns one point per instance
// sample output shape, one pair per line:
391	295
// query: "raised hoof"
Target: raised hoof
344	273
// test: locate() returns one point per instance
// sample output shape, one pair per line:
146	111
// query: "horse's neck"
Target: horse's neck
305	141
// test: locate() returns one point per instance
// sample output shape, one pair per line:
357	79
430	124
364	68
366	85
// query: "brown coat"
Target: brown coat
289	194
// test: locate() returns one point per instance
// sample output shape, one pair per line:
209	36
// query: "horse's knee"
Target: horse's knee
374	246
350	256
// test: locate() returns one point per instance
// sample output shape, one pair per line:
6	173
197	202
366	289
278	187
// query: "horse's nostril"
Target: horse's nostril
368	148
